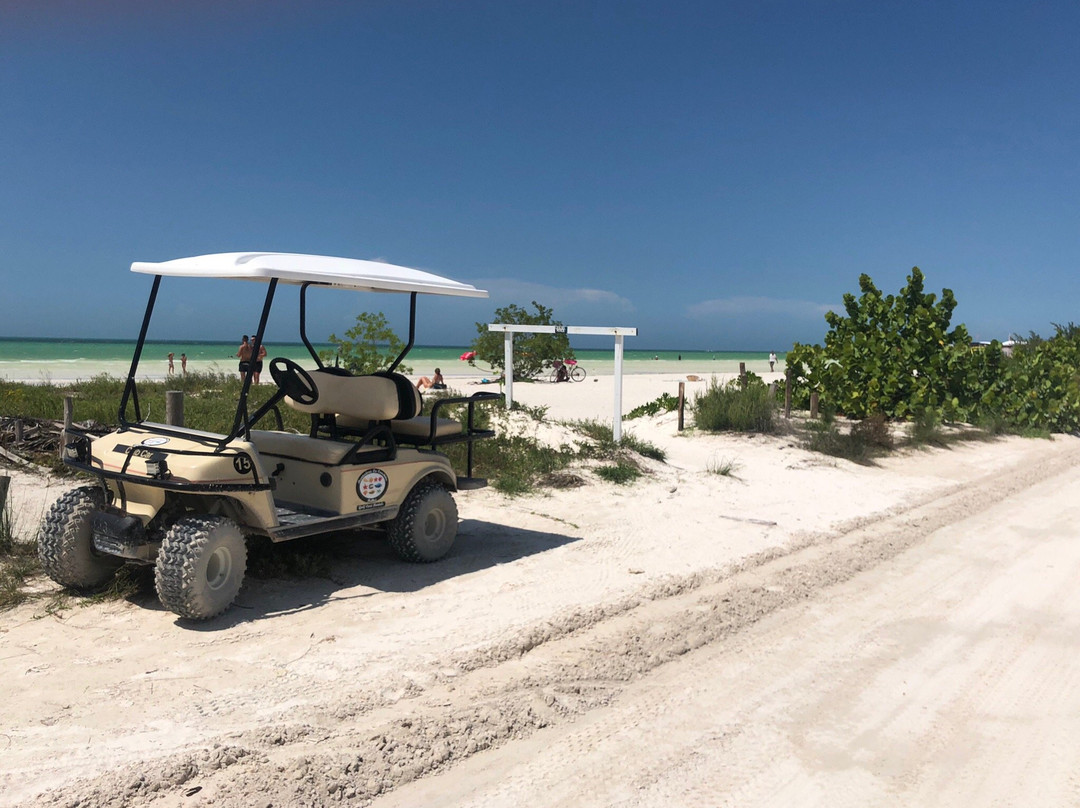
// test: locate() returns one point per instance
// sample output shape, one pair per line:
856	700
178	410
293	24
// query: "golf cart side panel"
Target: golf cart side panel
366	485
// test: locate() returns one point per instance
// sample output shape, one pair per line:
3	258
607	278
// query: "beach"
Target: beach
801	630
67	361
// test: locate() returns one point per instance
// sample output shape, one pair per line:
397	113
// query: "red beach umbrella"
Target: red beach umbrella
465	357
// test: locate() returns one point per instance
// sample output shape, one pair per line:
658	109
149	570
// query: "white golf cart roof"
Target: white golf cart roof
348	273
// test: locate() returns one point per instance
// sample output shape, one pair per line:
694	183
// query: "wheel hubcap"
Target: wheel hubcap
434	525
218	568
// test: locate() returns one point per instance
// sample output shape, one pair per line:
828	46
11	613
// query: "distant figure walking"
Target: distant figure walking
772	360
183	363
435	383
244	354
259	361
172	369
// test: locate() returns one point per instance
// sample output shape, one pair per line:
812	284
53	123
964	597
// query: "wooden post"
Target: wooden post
787	396
4	483
19	434
69	410
813	404
682	403
742	375
174	407
508	368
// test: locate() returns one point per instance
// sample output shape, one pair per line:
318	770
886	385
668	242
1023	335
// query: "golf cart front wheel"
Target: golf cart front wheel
201	566
426	525
66	541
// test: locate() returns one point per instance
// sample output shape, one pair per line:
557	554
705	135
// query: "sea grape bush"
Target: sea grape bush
1041	382
533	353
665	403
897	357
891	354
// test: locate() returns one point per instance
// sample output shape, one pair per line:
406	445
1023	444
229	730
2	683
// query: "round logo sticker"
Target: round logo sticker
155	441
242	464
372	484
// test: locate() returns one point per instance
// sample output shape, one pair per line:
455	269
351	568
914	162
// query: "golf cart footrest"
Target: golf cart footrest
294	523
471	483
119	535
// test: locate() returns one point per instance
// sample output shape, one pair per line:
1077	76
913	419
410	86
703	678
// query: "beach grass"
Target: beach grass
725	407
18	561
722	467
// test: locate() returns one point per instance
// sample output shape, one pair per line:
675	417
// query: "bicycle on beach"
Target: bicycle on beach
566	370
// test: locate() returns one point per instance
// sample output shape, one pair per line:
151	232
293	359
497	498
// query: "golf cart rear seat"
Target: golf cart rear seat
358	405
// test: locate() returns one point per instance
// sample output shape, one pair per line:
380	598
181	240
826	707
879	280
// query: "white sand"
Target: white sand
805	631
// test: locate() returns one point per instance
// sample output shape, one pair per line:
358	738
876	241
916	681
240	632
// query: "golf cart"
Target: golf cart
184	500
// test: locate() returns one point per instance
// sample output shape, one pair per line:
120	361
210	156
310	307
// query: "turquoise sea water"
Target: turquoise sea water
36	359
62	350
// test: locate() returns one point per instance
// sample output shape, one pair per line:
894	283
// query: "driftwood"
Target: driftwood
765	522
21	438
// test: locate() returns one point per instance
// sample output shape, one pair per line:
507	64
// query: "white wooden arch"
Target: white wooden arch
509	329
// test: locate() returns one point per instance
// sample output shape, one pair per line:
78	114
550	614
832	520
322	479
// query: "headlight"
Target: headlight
78	449
157	467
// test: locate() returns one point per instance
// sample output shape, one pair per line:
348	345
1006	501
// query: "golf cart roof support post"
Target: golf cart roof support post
412	333
303	323
241	419
129	388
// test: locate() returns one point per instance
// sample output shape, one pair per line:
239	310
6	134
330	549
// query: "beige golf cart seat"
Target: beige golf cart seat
357	404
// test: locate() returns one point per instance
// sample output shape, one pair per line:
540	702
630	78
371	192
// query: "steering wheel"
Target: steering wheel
294	381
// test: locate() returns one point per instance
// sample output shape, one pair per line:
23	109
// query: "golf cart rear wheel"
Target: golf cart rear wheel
201	566
66	542
426	525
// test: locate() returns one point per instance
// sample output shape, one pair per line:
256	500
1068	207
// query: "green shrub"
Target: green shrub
515	462
729	407
1041	388
621	473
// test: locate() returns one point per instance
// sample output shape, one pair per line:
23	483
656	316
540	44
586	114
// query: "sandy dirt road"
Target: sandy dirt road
948	675
924	653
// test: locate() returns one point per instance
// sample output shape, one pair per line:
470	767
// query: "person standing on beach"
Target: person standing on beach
772	360
244	354
172	370
183	363
259	362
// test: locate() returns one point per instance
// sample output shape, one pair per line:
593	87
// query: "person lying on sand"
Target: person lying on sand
435	383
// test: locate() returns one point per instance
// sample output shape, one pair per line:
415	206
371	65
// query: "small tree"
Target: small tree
532	352
369	346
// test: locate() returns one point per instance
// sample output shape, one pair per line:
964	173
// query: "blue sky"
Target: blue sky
717	174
